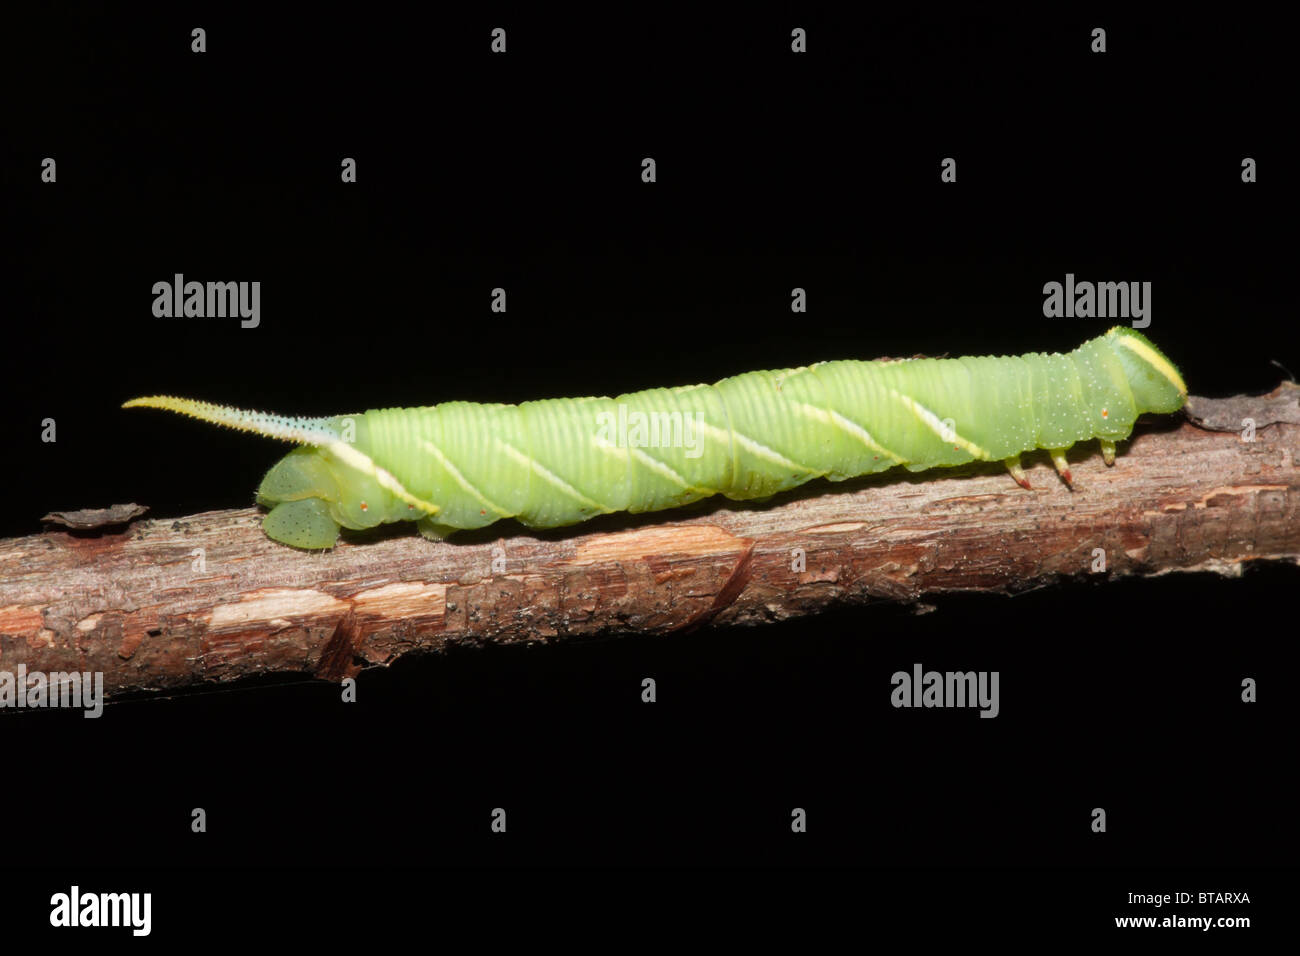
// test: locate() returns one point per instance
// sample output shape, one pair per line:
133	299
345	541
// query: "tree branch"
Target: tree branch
208	598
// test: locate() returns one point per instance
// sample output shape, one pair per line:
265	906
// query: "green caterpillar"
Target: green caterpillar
560	461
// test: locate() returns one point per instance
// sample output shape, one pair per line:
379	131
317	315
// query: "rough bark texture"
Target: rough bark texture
141	607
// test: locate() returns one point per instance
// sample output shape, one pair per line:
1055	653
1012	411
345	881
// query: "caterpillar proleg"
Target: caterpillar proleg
557	462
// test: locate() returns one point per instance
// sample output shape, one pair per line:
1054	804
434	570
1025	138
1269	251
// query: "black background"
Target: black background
774	171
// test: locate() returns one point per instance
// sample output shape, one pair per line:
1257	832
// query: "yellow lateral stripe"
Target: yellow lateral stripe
1154	359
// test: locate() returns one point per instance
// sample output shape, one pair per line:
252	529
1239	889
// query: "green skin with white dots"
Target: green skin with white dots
558	462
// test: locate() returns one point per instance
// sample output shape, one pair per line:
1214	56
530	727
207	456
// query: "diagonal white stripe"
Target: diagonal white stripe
654	464
462	480
669	472
761	451
366	465
553	478
830	417
938	426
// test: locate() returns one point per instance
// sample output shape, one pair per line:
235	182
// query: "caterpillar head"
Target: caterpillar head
1156	383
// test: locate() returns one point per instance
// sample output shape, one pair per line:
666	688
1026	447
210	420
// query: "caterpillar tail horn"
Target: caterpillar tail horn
306	431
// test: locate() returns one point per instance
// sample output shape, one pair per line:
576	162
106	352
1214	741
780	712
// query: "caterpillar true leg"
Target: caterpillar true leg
1108	451
1018	473
1062	466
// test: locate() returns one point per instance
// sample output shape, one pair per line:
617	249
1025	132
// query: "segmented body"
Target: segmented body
560	461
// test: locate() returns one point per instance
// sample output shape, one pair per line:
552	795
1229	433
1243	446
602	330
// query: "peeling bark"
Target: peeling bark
90	519
141	606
